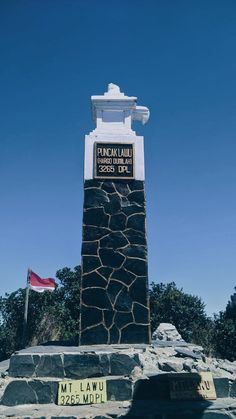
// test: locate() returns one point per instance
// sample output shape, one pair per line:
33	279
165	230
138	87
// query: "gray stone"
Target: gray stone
111	258
94	197
122	188
170	365
85	366
95	217
90	263
135	237
89	248
19	392
89	314
118	222
50	366
135	251
97	335
114	240
108	187
91	233
96	297
136	266
222	387
124	276
122	364
137	222
137	197
24	366
167	332
183	353
119	389
94	279
136	185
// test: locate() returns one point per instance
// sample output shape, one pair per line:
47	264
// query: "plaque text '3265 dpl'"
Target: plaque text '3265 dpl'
114	160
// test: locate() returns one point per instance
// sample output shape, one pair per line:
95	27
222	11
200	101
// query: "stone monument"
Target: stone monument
114	288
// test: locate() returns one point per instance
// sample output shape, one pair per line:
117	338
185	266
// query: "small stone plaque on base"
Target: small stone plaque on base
77	392
192	386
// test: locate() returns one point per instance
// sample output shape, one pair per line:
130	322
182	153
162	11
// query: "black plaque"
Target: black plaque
114	160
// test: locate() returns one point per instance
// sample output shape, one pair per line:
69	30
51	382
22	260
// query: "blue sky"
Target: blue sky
179	58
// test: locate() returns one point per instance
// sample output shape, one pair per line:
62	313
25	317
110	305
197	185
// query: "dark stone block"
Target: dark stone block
93	183
155	387
91	233
222	387
105	271
90	263
45	390
114	204
123	319
135	251
18	392
114	240
141	313
50	366
94	197
85	365
95	217
123	276
137	197
89	248
122	364
108	317
113	289
233	389
136	185
114	335
23	365
123	301
118	222
136	266
89	314
130	209
96	297
122	188
108	187
138	290
93	280
184	353
135	334
111	258
119	390
137	222
135	237
94	336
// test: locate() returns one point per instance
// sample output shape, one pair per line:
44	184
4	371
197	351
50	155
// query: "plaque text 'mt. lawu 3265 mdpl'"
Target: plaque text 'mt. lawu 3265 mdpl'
114	286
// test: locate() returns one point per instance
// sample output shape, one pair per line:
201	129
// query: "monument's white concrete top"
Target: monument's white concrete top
113	114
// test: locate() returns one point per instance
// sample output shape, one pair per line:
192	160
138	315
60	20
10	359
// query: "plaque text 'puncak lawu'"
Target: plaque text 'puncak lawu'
114	160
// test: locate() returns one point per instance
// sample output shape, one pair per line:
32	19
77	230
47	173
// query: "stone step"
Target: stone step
74	362
19	391
40	391
217	409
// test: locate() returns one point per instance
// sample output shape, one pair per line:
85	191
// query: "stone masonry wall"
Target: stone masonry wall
114	290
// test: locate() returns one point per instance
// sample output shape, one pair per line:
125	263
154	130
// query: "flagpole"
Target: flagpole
24	333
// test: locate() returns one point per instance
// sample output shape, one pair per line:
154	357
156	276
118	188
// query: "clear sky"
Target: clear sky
179	58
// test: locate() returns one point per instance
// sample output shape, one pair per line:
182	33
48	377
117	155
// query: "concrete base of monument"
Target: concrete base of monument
137	381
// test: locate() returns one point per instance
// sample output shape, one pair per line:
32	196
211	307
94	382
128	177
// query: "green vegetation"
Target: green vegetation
55	316
51	316
168	304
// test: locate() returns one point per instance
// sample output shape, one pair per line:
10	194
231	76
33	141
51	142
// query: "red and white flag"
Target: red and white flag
40	284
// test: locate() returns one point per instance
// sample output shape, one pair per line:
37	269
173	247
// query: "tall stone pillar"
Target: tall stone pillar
114	289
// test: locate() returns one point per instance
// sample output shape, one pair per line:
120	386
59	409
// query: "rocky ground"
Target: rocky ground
169	353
